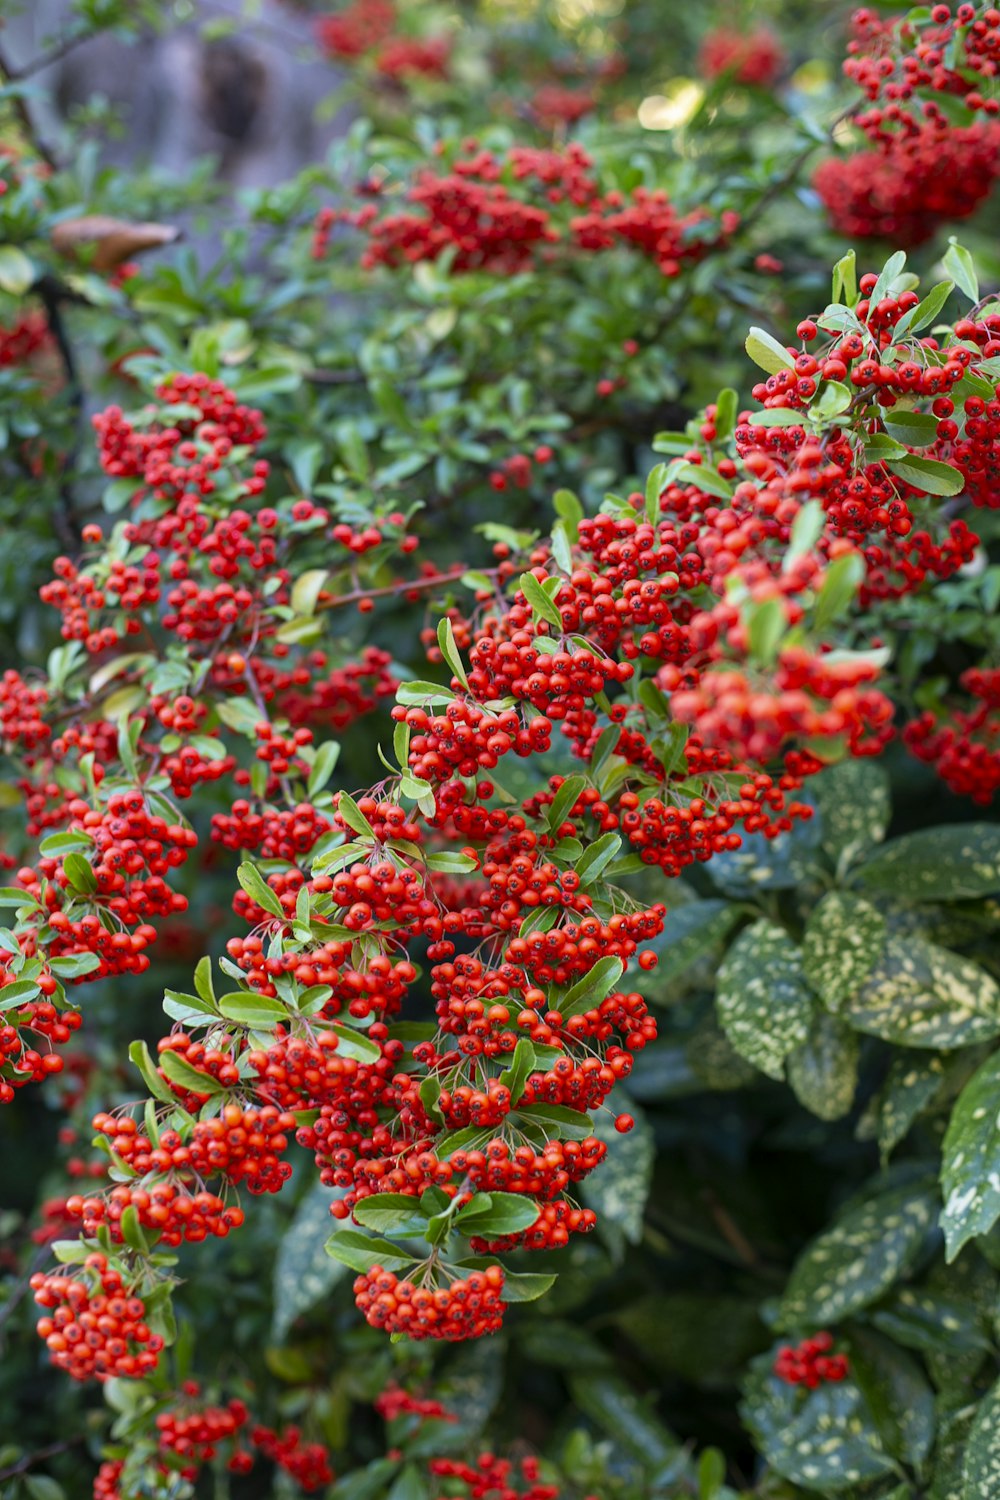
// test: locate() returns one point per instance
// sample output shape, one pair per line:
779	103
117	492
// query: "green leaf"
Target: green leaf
42	1486
354	1044
74	965
897	1393
58	844
132	1231
80	873
353	816
689	933
970	1160
778	416
961	267
541	605
823	1072
526	1286
981	1469
508	1213
766	625
843	941
931	1324
918	429
409	1484
617	1191
853	803
870	1247
258	889
186	1077
824	1440
615	1407
18	993
16	271
911	1085
589	991
766	352
362	1251
953	862
562	803
391	1213
186	1008
839	588
139	1055
845	283
516	1075
424	695
323	766
922	995
928	475
726	412
450	651
705	477
259	1012
307	589
763	1001
924	313
595	860
807	528
572	1123
569	509
892	268
239	714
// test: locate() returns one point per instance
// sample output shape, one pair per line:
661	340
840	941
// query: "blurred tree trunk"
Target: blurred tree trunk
246	96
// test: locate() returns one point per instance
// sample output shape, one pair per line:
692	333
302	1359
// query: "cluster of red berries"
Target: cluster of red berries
197	1433
22	705
95	1326
307	1463
923	169
810	1363
753	57
465	1308
364	29
553	104
27	336
21	1063
490	1476
964	748
483	224
517	470
394	1402
932	174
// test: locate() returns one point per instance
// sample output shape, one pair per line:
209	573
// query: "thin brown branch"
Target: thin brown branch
9	74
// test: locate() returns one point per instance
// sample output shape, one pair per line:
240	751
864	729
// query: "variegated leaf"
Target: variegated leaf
852	1264
970	1160
949	863
843	941
823	1072
921	995
824	1440
763	1001
853	803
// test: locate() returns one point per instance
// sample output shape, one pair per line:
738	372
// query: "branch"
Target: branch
30	1459
46	59
10	74
51	294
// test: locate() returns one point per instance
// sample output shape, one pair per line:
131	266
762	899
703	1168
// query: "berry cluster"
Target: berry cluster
471	213
752	57
810	1363
95	1326
464	1308
364	30
922	168
964	748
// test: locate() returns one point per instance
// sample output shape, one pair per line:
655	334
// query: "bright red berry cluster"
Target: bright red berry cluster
810	1363
95	1326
